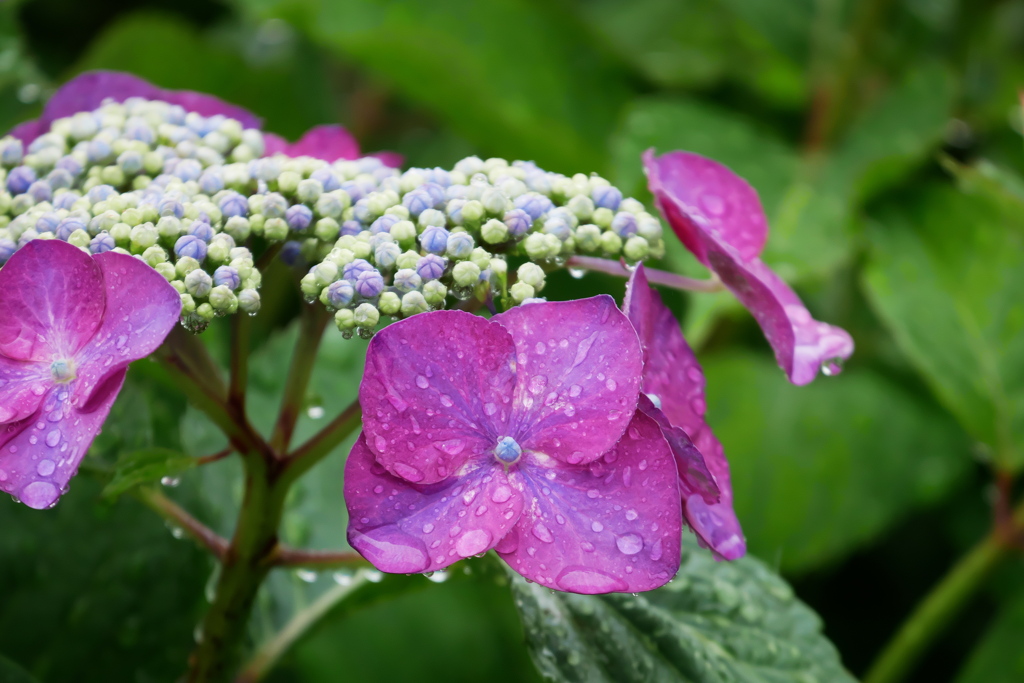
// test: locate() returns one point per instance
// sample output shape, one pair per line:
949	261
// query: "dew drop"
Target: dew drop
542	533
422	382
630	544
473	542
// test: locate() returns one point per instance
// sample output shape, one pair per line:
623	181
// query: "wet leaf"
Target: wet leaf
146	466
998	657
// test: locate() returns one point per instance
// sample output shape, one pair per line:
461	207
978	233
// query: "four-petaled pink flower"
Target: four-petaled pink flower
522	434
70	324
674	382
719	218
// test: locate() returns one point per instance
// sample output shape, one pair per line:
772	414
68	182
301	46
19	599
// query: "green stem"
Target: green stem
311	330
244	567
944	601
272	650
658	277
241	326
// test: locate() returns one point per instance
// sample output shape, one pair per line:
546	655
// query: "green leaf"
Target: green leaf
145	466
821	470
999	657
715	622
946	274
512	76
290	90
12	673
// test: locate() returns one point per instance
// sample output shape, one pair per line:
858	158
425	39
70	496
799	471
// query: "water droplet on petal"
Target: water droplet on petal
473	542
422	382
501	494
596	527
630	544
542	532
588	581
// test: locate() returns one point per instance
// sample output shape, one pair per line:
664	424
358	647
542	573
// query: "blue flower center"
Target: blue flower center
507	450
63	371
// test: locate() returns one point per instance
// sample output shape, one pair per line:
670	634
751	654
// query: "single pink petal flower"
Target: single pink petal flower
719	218
472	424
329	143
674	382
88	91
69	326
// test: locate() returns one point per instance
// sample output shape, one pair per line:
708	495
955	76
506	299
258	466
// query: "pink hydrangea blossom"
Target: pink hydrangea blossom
70	324
719	218
519	434
673	381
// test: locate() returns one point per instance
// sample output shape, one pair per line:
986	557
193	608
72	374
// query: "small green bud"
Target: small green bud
366	316
345	319
362	249
169	228
238	227
154	256
309	191
132	217
256	223
631	205
288	182
481	258
588	237
531	274
121	233
582	206
198	283
341	257
603	217
80	238
431	217
178	285
112	175
649	227
379	202
611	243
494	231
326	229
142	237
413	303
636	248
434	293
499	267
521	291
535	246
223	299
249	301
188	304
493	201
389	303
472	213
310	288
325	273
466	273
275	229
408	259
404	232
153	163
219	250
398	210
206	312
166	269
185	265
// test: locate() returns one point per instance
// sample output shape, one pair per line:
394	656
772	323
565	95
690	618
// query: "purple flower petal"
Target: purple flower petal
578	366
404	528
40	455
611	526
142	308
88	91
719	218
435	393
329	143
673	376
51	301
390	159
694	474
22	387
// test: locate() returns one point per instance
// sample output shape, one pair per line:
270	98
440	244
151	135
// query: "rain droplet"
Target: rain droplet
306	575
596	527
422	382
170	481
542	532
630	544
473	542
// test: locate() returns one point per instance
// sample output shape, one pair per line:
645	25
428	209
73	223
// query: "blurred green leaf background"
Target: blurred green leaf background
884	138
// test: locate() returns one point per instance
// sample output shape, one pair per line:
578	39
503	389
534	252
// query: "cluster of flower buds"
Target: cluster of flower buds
188	193
430	234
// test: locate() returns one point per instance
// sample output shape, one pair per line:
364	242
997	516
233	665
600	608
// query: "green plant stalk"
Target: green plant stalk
944	601
313	320
241	326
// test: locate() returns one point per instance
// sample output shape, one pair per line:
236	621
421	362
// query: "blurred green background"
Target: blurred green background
884	139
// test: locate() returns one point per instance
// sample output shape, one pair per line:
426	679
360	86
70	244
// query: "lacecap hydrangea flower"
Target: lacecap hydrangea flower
520	434
719	218
70	324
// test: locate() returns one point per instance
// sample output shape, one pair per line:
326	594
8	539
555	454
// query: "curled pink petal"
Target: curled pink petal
694	475
675	381
719	218
436	392
51	301
39	460
141	310
578	367
88	91
610	526
405	528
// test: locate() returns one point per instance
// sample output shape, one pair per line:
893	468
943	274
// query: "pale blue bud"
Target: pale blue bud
7	249
48	222
534	204
369	284
354	268
299	217
432	217
339	293
198	283
386	255
558	227
102	243
233	204
431	267
59	179
20	178
212	181
202	230
249	301
191	246
11	151
71	165
607	197
383	224
417	201
27	237
457	192
518	222
40	191
434	239
436	192
130	162
136	128
454	210
227	276
98	151
101	193
170	206
351	228
624	224
274	205
361	211
327	178
407	280
65	200
460	245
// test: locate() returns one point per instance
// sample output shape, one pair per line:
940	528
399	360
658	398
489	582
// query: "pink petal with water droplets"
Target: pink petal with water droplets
51	301
40	455
719	218
578	367
436	392
142	308
694	474
673	376
22	386
611	526
404	528
87	92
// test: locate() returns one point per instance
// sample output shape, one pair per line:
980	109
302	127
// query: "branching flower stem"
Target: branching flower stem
313	321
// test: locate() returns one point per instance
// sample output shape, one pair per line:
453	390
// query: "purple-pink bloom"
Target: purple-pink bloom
88	91
327	142
520	433
673	381
719	218
70	324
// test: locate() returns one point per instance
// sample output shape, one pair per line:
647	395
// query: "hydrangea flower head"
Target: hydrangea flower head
520	433
70	324
673	382
719	218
